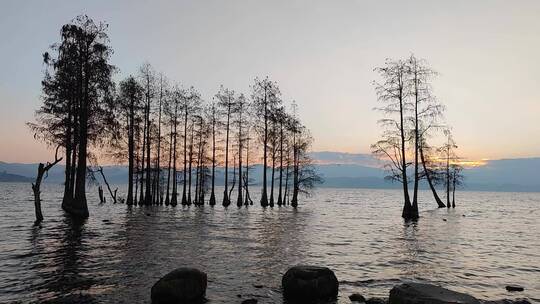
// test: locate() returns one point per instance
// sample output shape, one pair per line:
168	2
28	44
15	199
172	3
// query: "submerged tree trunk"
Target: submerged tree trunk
148	193
271	203
142	170
248	200
239	199
42	169
448	178
454	193
184	198
280	198
113	194
408	211
167	198
286	193
212	193
264	197
190	162
79	207
226	200
294	200
174	197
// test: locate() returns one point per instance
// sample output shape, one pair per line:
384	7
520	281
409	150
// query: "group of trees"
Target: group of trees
168	135
412	118
171	137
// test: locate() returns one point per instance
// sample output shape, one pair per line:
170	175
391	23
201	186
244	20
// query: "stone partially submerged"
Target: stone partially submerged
419	293
182	285
307	284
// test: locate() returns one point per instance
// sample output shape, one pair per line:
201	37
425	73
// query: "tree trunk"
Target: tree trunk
416	145
167	198
184	198
440	204
273	174
174	198
239	199
212	194
158	199
248	200
408	211
79	207
264	198
294	200
454	192
226	200
142	170
448	177
148	193
280	198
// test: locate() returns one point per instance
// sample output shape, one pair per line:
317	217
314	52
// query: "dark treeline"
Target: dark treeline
412	118
170	137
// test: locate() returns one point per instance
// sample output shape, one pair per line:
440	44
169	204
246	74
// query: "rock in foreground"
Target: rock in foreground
515	288
182	285
305	284
418	293
356	297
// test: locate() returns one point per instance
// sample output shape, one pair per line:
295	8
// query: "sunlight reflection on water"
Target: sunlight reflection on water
489	241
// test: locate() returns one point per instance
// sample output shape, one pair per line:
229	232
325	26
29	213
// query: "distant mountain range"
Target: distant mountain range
341	170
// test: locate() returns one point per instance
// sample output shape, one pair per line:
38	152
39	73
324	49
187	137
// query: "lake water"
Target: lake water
490	240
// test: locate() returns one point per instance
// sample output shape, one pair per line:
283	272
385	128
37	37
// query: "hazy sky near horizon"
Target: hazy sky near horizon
322	54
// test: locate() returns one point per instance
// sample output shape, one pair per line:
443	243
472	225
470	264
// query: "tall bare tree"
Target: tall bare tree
227	103
265	96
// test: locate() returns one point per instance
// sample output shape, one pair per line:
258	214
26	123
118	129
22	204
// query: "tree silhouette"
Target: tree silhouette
392	92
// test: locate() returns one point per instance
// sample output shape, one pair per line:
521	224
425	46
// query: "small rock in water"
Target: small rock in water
514	288
182	285
257	286
356	297
419	293
376	301
308	284
250	301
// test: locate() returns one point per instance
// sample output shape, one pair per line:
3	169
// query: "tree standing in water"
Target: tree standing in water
265	96
190	101
392	92
240	110
129	105
227	103
457	180
447	150
426	112
78	84
213	111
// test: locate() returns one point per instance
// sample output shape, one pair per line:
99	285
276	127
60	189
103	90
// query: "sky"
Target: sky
322	54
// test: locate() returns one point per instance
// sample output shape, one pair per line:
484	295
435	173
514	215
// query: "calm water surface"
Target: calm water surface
490	240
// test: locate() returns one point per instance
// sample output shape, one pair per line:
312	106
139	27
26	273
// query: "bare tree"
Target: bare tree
227	102
265	97
392	92
447	150
43	169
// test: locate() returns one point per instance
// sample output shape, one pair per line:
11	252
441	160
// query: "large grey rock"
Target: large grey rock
419	293
305	284
182	285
